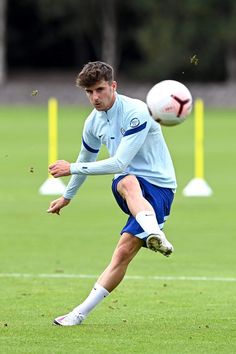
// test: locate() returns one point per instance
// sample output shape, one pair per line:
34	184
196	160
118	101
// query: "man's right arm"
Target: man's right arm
88	153
76	181
74	184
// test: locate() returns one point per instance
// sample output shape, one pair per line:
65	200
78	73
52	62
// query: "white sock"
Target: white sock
148	221
97	294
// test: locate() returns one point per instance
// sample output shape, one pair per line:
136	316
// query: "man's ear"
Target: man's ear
114	85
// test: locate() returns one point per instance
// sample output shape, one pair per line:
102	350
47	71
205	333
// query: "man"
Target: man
144	181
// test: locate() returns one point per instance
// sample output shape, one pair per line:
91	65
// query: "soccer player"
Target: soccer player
144	181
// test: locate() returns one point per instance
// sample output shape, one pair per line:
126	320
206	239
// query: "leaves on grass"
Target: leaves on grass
59	270
112	308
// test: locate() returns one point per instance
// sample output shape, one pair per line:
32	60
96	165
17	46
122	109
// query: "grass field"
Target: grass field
185	304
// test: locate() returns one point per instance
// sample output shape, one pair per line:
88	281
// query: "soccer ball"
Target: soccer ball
169	102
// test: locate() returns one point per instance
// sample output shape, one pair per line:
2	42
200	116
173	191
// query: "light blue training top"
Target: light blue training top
134	141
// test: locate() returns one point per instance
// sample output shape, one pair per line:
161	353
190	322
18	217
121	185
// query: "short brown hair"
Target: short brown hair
93	72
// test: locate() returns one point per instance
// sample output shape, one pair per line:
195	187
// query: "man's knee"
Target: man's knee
127	185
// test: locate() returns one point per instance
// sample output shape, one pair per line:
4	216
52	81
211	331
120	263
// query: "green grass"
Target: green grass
142	315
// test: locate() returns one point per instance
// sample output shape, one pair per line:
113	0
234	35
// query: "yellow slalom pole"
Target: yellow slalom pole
52	130
198	187
52	186
199	137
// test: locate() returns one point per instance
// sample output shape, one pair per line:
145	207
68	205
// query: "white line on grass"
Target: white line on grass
128	277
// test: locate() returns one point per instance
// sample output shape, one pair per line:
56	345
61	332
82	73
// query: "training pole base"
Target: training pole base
52	186
197	187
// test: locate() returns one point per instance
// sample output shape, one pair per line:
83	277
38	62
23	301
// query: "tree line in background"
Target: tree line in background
143	39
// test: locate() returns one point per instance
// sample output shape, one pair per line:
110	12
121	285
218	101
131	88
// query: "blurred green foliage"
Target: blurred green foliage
155	39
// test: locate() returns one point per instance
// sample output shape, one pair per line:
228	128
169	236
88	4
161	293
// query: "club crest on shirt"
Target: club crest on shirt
122	130
134	122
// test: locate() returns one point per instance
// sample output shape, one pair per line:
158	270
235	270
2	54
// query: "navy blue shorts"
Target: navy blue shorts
160	198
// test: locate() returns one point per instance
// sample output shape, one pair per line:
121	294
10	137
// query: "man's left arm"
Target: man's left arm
130	144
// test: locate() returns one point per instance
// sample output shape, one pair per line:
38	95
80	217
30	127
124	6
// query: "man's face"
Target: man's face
102	94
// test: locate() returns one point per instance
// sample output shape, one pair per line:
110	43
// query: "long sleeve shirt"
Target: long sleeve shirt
134	141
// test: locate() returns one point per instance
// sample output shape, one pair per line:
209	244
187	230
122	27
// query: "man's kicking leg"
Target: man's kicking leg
126	249
129	188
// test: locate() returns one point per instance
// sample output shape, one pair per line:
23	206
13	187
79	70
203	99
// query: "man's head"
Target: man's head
97	78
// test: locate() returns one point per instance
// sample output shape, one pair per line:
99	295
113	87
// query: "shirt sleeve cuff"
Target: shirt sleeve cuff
74	168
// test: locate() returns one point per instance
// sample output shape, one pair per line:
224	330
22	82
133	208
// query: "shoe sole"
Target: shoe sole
155	244
56	323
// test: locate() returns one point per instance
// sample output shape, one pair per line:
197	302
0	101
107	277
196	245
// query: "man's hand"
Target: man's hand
57	205
60	168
